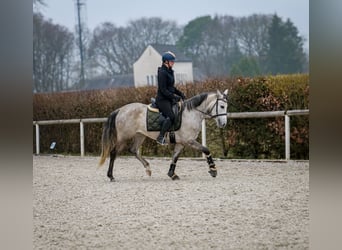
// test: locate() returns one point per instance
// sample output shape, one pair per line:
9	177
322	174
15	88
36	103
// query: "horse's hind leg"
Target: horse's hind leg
178	149
111	164
137	142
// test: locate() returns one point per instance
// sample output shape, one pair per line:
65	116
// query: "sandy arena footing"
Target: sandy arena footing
249	205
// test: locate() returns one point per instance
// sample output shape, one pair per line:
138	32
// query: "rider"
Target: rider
167	93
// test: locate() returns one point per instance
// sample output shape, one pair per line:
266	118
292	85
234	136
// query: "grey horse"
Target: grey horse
127	125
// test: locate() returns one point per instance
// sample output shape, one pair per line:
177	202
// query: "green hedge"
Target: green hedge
264	138
242	138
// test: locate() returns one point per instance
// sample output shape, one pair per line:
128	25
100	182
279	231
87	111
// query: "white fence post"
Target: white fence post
204	136
37	140
287	137
82	138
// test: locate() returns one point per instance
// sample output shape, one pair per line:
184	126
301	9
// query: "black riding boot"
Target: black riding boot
164	128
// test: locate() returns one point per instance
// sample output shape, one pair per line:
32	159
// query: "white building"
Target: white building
146	67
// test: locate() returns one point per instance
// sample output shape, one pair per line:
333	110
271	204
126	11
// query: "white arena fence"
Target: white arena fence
236	115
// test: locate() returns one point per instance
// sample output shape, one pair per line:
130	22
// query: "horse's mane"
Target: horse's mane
195	101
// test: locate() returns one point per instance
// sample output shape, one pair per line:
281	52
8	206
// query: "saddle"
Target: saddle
154	119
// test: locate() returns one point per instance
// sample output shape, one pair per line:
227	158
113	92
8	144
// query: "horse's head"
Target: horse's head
219	110
211	105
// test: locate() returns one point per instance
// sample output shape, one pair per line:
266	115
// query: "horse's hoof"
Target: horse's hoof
173	176
213	172
148	172
112	179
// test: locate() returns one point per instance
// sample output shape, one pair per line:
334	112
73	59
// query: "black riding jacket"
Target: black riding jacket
166	85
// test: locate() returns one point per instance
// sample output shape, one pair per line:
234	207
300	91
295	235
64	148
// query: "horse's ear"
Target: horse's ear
218	93
225	94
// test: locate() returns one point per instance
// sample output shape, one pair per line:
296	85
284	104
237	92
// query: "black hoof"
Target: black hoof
173	176
111	179
213	172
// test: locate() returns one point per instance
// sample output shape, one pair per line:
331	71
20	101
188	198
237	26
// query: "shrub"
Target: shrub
242	138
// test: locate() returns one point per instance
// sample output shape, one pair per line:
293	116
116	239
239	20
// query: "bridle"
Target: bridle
208	113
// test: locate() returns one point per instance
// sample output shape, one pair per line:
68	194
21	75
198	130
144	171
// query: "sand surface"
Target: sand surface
249	205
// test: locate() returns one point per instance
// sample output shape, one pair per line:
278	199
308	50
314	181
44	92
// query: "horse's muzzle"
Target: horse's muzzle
221	123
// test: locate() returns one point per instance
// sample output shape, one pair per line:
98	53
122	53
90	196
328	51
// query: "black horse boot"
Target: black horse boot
165	127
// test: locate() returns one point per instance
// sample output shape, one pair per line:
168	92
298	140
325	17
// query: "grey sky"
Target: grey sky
182	11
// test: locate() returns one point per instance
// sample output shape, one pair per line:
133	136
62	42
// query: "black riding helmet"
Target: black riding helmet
169	56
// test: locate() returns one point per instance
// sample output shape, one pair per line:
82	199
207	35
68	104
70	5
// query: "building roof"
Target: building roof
162	48
117	81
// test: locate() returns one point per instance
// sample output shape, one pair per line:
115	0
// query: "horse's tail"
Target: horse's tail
108	136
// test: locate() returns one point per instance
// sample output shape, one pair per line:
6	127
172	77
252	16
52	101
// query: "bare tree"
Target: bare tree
52	53
154	30
114	49
103	49
252	33
211	43
221	38
37	4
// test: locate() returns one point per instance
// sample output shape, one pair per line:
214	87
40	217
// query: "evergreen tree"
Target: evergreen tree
284	52
294	61
193	34
273	46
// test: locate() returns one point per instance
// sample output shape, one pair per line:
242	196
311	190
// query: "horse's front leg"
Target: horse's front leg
178	149
198	146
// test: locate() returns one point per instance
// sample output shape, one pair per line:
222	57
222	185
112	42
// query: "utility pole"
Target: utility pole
82	78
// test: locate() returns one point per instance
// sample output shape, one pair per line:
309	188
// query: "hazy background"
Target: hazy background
245	38
121	12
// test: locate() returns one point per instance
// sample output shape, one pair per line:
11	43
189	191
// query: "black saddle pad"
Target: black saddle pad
153	118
